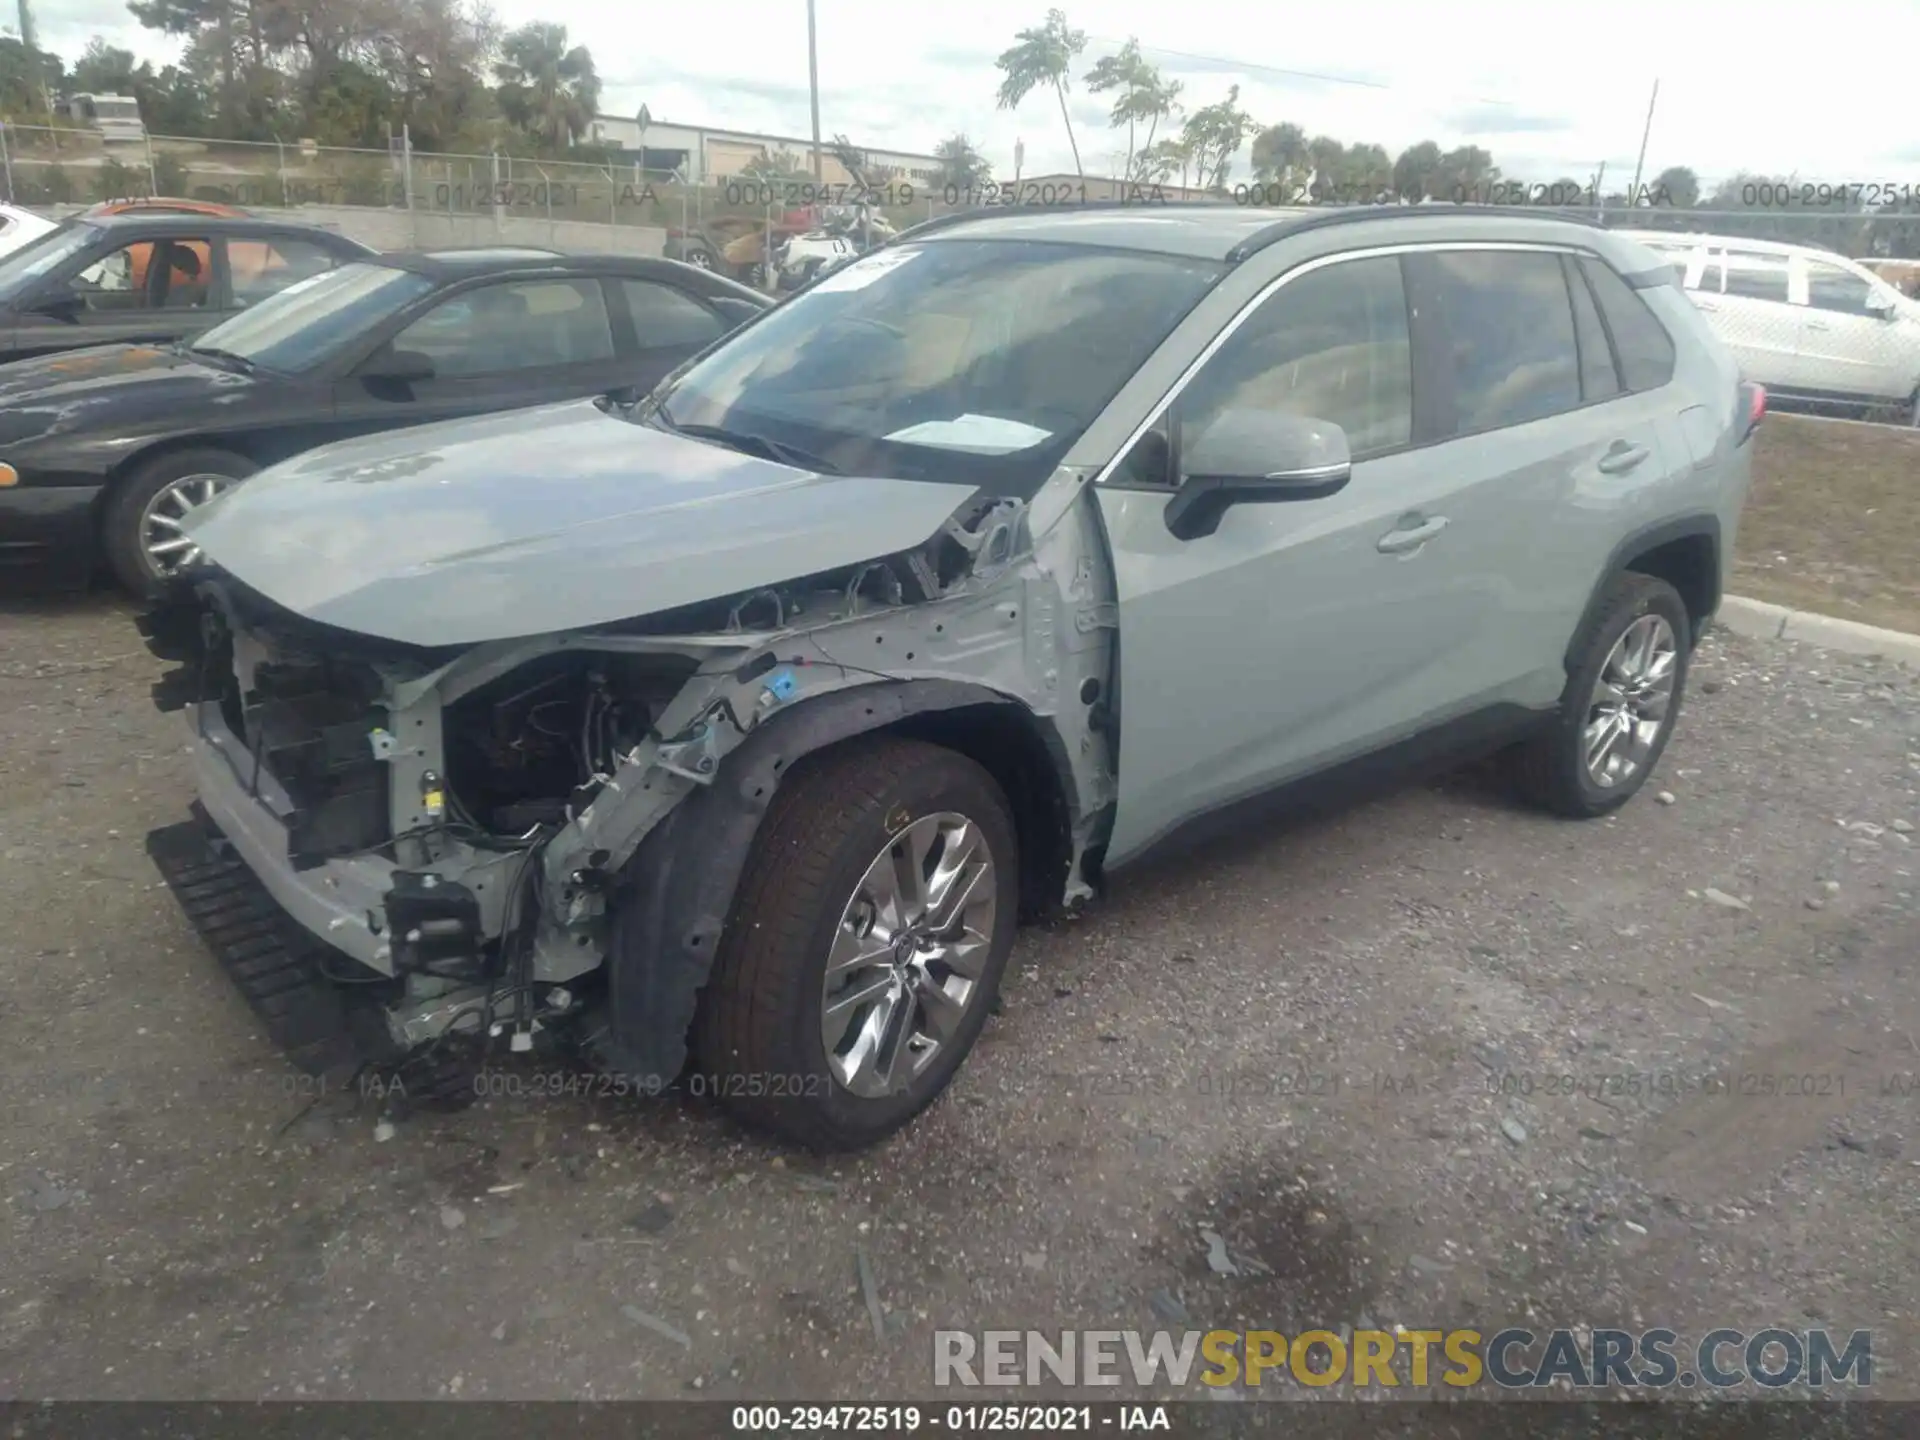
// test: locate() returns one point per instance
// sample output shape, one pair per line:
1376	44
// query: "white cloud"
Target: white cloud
1546	92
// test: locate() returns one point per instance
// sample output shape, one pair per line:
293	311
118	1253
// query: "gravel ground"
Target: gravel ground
1298	1040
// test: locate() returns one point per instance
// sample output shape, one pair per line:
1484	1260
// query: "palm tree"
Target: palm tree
1043	56
546	88
1145	98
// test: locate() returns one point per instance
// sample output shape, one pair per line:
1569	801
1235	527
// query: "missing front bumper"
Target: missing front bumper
275	963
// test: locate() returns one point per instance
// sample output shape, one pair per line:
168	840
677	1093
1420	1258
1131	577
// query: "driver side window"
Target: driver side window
1330	345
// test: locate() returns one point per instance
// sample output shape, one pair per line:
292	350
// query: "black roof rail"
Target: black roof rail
1320	219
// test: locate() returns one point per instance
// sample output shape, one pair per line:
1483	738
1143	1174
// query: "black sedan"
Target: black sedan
151	276
103	451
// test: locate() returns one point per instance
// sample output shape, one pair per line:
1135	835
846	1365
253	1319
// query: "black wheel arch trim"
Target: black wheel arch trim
1638	543
675	895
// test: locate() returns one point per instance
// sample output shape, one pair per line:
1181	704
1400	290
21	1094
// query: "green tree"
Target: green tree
778	167
1280	155
27	81
1416	171
547	88
1679	185
962	168
1043	55
103	69
1145	98
1213	135
1160	162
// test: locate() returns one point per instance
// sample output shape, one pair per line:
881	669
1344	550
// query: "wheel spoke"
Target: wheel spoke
910	851
164	522
853	951
170	547
944	1012
889	1040
838	1015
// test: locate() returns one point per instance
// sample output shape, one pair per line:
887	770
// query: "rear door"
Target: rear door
500	345
1845	349
1747	297
664	325
139	290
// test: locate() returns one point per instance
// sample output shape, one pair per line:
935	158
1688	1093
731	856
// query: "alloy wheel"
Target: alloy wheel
908	954
164	544
1631	701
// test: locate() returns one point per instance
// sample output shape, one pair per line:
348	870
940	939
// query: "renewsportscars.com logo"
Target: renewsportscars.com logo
1510	1359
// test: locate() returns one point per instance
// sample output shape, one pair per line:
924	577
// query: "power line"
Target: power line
1325	79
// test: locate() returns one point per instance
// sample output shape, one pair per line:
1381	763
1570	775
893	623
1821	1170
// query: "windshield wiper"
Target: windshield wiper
749	443
214	352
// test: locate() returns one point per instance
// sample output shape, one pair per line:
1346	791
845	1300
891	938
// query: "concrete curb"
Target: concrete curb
1776	622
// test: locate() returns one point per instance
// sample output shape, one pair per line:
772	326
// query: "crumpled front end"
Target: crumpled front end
455	840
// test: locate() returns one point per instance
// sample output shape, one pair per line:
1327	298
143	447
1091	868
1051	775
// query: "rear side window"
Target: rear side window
1755	277
664	318
1598	378
1641	344
1505	334
1831	288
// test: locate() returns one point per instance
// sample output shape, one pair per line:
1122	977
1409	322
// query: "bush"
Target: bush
169	175
57	184
118	181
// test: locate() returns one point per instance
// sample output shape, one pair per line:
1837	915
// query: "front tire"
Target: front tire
866	944
140	531
1618	711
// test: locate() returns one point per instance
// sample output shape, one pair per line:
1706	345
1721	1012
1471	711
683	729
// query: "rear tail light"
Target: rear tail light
1753	408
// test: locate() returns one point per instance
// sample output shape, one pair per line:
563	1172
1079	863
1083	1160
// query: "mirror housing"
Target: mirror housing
59	303
397	367
1881	305
1255	457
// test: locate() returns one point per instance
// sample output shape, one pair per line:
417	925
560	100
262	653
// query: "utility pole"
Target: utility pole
813	87
1633	195
30	42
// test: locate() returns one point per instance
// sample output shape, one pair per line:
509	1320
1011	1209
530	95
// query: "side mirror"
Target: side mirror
1255	457
398	367
56	304
1881	305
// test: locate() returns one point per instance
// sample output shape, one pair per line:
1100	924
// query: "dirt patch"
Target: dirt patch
1833	524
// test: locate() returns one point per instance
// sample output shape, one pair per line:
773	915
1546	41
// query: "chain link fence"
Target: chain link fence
475	199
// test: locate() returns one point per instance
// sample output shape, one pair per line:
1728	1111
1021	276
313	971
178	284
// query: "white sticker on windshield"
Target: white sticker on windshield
980	434
864	271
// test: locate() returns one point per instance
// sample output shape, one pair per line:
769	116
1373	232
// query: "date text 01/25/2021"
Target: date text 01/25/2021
958	1419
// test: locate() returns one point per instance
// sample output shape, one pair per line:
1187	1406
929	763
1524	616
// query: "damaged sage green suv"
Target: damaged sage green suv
738	728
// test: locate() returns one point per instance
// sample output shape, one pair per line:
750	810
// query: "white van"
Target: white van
115	117
1808	324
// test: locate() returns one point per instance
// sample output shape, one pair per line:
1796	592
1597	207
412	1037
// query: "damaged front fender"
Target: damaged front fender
675	894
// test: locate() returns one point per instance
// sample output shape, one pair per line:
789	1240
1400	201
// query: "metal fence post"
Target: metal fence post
286	202
406	180
498	225
6	158
153	183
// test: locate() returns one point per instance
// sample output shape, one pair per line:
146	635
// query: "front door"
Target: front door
669	326
143	291
1295	631
499	346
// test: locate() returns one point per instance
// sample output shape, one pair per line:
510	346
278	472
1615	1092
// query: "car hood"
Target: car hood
78	389
543	520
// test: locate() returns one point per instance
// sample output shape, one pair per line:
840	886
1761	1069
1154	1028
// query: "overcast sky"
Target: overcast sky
1548	91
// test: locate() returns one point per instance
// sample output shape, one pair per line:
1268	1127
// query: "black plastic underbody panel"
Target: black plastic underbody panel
274	962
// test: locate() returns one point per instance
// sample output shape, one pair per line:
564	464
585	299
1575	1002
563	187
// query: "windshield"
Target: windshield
975	361
117	109
314	319
23	267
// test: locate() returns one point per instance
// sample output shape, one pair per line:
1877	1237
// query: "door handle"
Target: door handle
1622	458
1818	325
1705	305
1410	537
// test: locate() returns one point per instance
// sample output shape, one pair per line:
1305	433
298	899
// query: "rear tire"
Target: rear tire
1556	769
761	1037
130	511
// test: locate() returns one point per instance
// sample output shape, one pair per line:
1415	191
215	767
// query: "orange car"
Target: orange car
250	262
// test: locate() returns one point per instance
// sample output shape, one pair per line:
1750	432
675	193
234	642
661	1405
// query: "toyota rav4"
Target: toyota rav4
731	732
